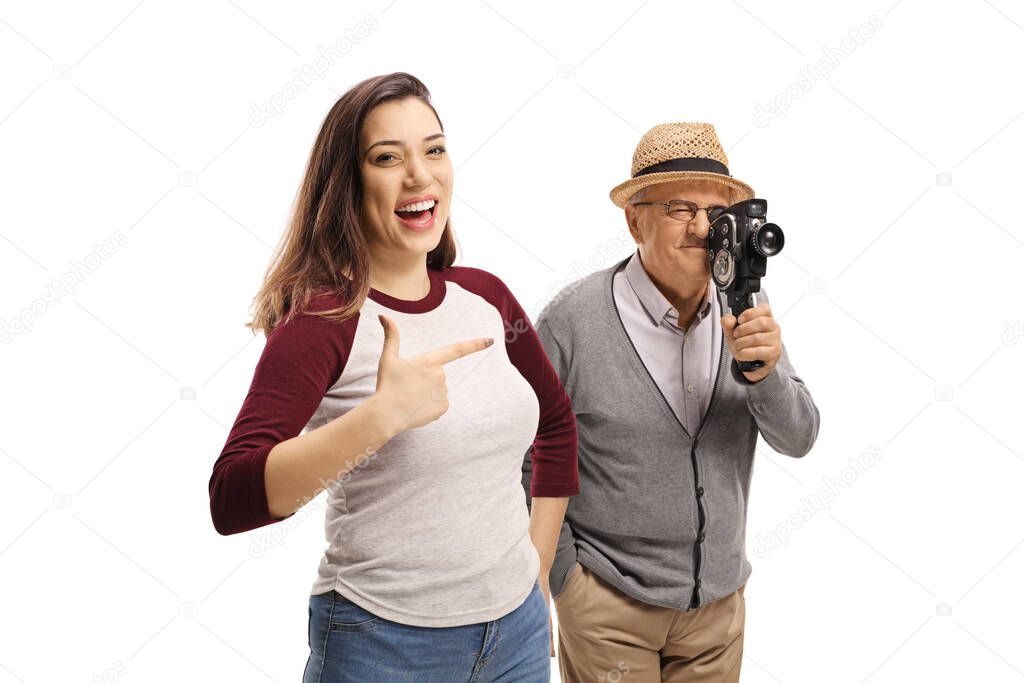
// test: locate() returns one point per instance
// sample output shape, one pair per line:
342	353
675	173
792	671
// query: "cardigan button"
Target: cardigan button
700	491
700	537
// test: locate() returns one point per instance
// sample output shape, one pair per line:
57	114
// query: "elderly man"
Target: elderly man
650	569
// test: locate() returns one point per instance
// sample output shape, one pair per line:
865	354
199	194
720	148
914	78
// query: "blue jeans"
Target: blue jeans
347	643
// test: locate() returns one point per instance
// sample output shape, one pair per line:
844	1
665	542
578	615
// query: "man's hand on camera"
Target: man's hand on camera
755	336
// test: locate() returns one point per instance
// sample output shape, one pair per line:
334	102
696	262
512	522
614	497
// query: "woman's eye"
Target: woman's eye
385	157
439	150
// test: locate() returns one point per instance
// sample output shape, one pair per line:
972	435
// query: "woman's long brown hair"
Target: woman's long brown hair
323	250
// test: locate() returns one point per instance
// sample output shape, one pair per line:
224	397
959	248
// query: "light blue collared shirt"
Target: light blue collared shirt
681	362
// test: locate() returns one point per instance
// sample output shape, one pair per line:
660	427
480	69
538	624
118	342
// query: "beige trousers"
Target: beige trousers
605	636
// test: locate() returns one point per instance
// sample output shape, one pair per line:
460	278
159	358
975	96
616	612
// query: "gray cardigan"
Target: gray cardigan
661	514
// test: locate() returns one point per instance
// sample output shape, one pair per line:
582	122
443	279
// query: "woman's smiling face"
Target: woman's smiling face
403	159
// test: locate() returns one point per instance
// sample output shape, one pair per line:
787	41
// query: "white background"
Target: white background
893	178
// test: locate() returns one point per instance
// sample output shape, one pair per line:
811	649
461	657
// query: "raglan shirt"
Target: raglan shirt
432	527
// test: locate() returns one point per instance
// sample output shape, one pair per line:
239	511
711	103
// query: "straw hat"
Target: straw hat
679	151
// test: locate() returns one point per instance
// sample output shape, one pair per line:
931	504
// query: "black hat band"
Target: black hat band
685	164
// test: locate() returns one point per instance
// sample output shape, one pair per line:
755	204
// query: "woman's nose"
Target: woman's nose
417	174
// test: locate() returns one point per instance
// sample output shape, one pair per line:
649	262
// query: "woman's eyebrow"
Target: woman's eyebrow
399	142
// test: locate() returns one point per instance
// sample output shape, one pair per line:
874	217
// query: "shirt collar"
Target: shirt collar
654	302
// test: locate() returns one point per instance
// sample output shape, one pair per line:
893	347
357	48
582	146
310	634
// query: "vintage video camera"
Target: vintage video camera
740	240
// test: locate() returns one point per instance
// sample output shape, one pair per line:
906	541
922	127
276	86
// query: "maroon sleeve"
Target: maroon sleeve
301	360
555	448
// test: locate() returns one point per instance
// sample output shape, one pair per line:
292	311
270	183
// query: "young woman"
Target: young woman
379	352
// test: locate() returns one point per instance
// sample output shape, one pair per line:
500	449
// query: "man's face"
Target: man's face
675	253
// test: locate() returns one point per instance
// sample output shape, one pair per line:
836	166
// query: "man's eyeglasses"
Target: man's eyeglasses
682	210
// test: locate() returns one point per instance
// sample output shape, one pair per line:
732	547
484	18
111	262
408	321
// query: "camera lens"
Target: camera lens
768	239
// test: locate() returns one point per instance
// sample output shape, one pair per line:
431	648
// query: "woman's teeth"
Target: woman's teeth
418	206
